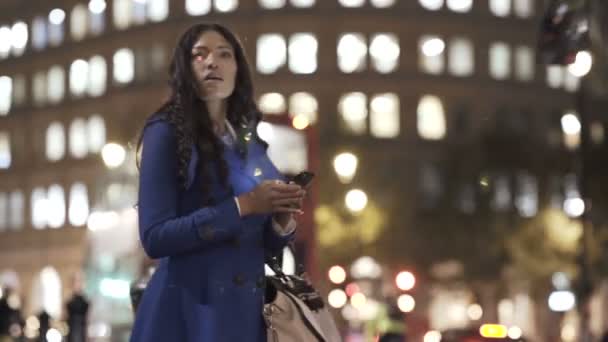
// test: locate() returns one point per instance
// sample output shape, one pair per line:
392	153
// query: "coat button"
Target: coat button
239	280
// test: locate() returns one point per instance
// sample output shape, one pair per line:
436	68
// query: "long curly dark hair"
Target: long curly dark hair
189	116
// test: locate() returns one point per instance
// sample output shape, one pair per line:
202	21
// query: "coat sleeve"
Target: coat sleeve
162	231
273	241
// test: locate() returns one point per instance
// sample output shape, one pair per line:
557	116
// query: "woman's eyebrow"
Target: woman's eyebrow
202	47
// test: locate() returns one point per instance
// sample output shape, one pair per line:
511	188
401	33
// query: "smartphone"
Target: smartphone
303	178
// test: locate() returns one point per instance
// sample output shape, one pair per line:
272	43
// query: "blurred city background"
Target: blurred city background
459	146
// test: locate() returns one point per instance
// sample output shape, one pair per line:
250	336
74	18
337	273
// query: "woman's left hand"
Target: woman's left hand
283	218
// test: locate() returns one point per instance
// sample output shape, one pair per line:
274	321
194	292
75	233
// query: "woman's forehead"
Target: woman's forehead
211	40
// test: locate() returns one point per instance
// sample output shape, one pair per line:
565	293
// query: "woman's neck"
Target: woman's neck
217	114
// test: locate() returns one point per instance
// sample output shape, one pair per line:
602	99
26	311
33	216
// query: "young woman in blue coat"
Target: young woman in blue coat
212	205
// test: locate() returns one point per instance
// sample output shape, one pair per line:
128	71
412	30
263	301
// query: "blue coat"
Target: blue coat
209	283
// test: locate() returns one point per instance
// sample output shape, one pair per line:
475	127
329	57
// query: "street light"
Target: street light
355	200
582	64
345	165
113	155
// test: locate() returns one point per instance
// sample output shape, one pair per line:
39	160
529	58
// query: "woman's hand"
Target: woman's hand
272	196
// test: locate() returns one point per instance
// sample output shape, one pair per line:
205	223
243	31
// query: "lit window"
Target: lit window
597	132
430	185
272	103
466	198
571	82
78	138
141	67
353	111
97	76
55	84
226	5
304	104
49	284
500	8
302	3
382	3
431	54
271	53
6	94
96	133
158	10
460	6
158	56
500	61
384	50
16	203
352	52
39	208
56	206
55	142
3	211
384	116
56	28
78	22
97	19
122	13
138	11
501	198
39	33
19	38
5	41
431	5
461	60
124	66
524	63
571	129
287	147
526	200
555	75
78	210
523	8
5	150
198	7
79	74
431	118
272	4
19	90
351	3
303	53
39	88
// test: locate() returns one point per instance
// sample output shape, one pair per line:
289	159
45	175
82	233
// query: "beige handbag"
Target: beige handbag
295	312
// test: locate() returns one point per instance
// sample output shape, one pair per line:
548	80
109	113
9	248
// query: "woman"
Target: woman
211	203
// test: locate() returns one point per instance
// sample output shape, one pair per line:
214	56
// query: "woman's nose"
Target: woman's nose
210	61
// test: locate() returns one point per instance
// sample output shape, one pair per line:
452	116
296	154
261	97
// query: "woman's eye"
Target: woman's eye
198	57
226	54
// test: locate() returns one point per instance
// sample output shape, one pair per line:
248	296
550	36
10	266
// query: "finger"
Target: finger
288	210
287	203
276	195
282	187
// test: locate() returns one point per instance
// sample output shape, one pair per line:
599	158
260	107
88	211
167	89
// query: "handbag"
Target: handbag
294	311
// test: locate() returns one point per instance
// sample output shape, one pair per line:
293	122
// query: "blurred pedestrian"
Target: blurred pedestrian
45	324
77	309
211	205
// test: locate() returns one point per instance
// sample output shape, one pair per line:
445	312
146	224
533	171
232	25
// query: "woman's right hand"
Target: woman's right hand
272	196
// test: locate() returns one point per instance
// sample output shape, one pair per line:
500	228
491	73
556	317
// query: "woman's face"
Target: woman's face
214	66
